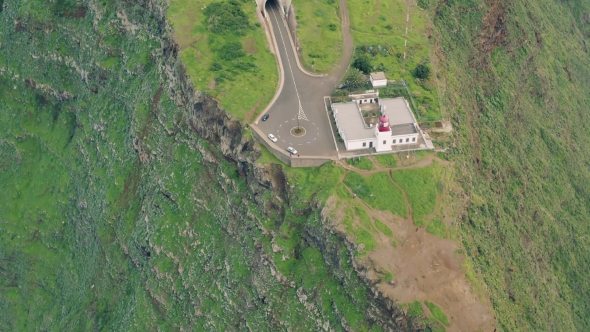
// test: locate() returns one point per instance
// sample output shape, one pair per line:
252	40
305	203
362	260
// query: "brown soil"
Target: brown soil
250	45
212	84
425	267
252	111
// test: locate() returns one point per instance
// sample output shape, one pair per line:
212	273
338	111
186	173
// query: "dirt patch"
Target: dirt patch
212	84
494	32
250	45
252	112
428	268
425	267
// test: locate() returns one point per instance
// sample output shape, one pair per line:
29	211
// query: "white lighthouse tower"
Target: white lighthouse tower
383	133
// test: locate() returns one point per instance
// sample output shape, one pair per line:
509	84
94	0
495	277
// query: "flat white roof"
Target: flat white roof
397	111
378	75
351	122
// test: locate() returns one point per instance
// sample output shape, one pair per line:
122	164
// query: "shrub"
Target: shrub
421	71
355	78
226	17
363	64
231	50
215	66
244	65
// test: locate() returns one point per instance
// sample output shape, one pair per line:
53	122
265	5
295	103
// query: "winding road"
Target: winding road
301	97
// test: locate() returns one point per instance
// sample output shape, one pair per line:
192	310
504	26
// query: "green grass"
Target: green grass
414	309
387	160
437	313
316	183
239	91
357	224
363	163
386	196
421	187
383	228
437	227
267	157
320	33
381	26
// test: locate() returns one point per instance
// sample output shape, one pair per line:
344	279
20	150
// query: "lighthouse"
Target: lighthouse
383	133
384	123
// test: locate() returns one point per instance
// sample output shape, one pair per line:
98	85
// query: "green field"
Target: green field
378	29
319	30
387	160
378	191
363	163
421	186
243	85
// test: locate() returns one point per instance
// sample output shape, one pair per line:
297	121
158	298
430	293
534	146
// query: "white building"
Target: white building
378	79
370	122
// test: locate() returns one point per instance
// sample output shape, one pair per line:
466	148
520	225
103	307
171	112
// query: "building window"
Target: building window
384	142
393	142
407	140
413	139
364	144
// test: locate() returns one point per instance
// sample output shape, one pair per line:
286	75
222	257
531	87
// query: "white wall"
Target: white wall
358	144
412	139
379	83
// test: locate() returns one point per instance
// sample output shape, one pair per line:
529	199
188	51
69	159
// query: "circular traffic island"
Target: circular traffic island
298	131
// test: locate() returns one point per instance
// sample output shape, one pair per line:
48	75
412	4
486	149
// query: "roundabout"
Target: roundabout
298	131
287	133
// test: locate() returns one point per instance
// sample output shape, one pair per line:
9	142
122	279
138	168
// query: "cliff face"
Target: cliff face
132	202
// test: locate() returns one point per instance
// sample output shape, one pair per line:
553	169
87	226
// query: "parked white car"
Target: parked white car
272	138
291	150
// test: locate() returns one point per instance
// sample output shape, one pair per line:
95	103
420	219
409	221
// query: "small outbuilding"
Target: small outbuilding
378	79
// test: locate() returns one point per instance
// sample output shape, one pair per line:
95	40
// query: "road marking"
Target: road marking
300	114
290	69
286	121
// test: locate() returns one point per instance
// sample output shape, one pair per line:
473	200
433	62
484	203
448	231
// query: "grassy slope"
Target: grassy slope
384	23
320	33
97	235
519	83
245	91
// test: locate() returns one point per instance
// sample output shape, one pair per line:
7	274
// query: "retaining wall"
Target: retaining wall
302	161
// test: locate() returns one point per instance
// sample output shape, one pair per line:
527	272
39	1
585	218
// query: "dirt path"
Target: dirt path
425	267
425	162
347	42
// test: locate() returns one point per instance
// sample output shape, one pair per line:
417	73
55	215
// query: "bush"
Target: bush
355	78
215	66
244	65
363	64
231	50
421	71
226	17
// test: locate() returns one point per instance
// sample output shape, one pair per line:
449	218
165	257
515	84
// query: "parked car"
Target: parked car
265	117
291	150
272	138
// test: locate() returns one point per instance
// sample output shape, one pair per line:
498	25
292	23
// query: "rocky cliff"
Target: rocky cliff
132	201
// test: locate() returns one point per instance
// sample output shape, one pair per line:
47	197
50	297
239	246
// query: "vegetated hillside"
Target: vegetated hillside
517	76
117	214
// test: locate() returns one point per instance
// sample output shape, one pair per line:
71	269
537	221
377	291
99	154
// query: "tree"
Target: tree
421	71
355	78
363	64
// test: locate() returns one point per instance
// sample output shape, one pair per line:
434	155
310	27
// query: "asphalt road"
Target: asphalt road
299	88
